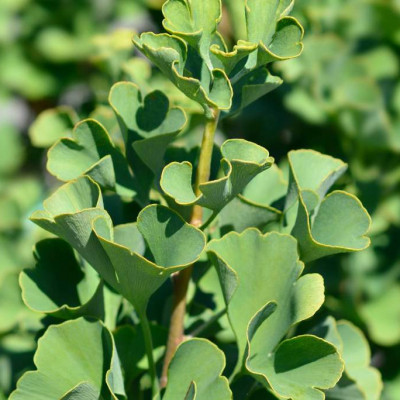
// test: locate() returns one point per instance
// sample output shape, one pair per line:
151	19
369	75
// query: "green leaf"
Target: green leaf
174	245
59	285
83	391
241	162
195	21
74	212
148	126
52	125
12	308
69	212
267	188
130	345
328	225
253	86
94	155
271	36
268	268
77	356
13	151
197	367
300	368
360	381
170	54
242	213
380	315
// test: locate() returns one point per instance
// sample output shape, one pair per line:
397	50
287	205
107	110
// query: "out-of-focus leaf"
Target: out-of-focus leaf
12	154
381	316
52	125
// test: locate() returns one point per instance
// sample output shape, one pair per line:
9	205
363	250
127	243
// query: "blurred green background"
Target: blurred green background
58	60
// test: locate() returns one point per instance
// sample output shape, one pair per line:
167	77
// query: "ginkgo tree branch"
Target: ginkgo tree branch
181	279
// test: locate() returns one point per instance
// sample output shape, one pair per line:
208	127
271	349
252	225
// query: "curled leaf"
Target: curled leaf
241	162
327	225
75	213
195	21
174	245
169	53
360	380
271	36
148	125
94	155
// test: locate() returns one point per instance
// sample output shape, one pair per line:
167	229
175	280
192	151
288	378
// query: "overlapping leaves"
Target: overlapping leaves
360	380
268	267
323	225
241	162
195	58
75	214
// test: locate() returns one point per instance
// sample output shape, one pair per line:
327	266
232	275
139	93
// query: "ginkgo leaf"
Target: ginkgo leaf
195	373
94	155
52	125
268	267
77	356
211	89
241	162
360	380
74	213
148	125
174	245
271	36
195	21
323	225
59	285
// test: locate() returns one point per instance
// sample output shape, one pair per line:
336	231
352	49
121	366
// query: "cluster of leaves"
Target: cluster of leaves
104	282
39	44
343	91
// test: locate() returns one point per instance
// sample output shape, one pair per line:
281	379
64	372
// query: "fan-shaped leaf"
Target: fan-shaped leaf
170	54
52	125
360	381
148	125
174	245
327	225
195	21
269	269
241	162
94	155
195	373
77	356
74	213
59	286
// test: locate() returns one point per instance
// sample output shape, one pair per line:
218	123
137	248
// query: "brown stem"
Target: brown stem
181	279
